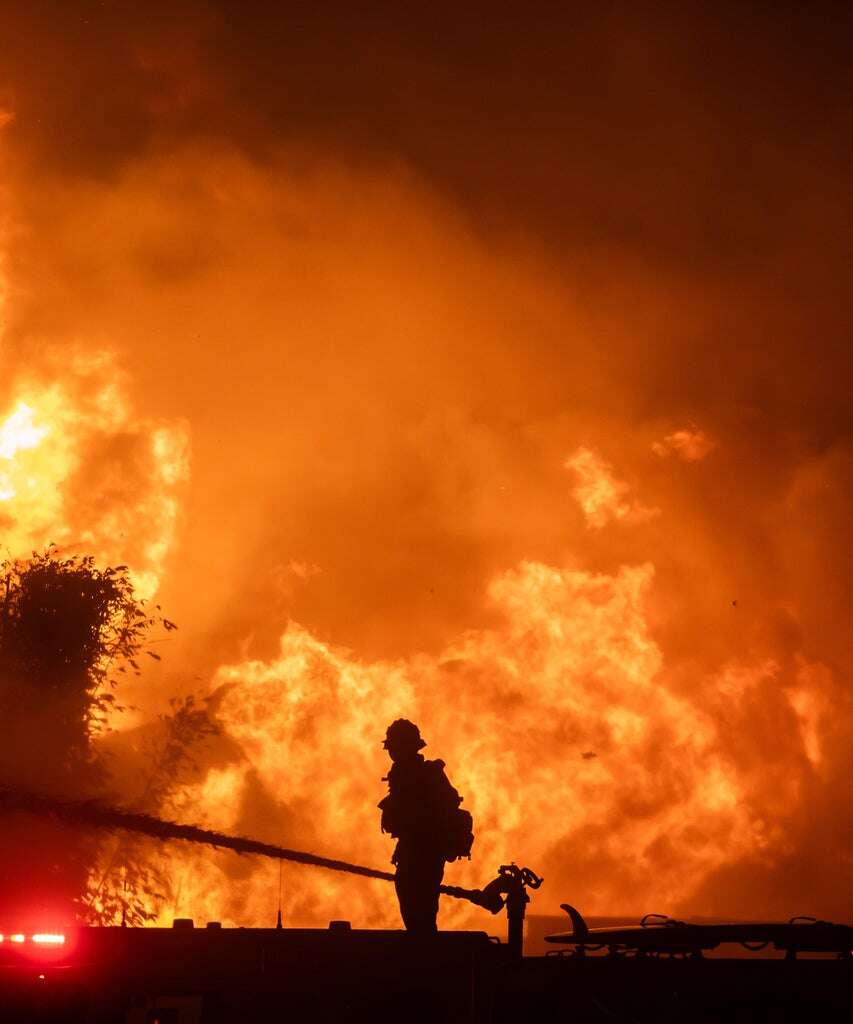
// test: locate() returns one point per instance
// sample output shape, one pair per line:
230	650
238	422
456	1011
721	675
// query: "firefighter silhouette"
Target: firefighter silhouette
421	811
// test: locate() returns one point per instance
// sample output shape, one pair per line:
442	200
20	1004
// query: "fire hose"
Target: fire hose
508	889
97	815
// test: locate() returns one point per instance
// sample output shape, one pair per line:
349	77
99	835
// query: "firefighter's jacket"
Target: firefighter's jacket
420	806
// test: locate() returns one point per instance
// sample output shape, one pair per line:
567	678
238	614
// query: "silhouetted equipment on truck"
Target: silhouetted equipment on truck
658	935
508	890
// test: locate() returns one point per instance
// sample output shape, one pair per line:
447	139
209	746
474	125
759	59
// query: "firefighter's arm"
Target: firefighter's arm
385	820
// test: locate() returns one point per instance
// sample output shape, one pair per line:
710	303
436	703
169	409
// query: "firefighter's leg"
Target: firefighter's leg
405	895
417	882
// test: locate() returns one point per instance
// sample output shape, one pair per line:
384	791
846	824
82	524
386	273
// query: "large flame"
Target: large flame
555	725
573	753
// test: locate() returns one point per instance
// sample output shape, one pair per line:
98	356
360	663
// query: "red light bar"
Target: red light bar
17	937
48	939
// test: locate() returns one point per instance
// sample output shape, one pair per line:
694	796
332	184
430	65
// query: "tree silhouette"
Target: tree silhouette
67	631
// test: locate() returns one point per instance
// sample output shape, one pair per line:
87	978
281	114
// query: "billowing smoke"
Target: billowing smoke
514	362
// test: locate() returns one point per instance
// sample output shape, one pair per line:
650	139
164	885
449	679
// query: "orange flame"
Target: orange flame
602	496
78	468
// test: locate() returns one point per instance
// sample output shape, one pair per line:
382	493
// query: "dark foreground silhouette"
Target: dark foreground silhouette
210	975
652	972
422	812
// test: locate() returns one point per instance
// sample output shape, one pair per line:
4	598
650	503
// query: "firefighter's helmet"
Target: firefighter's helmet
403	733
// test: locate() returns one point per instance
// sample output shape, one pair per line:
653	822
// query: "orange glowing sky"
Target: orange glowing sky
489	370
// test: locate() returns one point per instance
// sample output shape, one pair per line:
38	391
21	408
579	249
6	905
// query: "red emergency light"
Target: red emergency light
45	940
